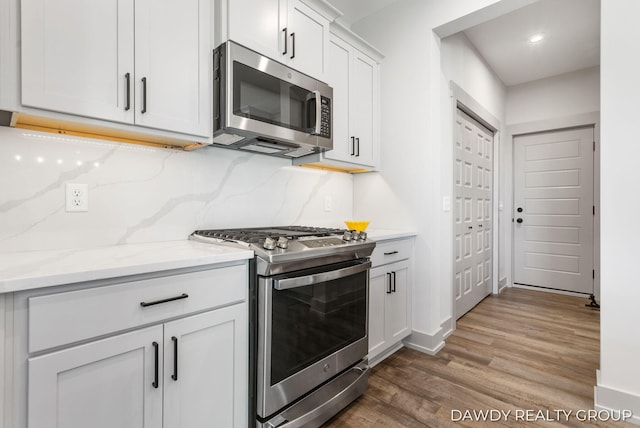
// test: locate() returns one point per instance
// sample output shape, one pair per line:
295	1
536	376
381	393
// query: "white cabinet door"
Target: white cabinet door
378	287
338	78
398	323
354	78
389	314
206	367
103	384
75	56
364	93
263	29
172	88
308	40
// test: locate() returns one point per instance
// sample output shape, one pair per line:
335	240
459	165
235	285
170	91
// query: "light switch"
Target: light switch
446	203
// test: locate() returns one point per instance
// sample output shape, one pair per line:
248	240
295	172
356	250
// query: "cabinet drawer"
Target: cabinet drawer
67	317
391	251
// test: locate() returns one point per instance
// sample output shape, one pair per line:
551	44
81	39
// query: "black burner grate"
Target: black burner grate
258	234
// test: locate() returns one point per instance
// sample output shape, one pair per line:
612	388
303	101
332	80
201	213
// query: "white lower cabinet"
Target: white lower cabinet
185	373
103	384
206	385
389	301
165	367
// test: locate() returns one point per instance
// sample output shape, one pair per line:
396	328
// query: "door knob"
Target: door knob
519	209
519	220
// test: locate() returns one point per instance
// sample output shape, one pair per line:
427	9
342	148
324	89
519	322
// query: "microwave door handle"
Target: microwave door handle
303	281
318	112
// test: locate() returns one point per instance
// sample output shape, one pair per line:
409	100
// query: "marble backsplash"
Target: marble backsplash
145	194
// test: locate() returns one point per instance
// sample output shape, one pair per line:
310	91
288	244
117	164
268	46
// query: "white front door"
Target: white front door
473	179
553	211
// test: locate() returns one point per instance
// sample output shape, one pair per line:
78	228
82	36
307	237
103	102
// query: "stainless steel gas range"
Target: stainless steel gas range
309	292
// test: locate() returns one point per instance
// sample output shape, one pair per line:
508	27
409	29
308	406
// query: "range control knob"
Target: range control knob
269	244
363	236
347	236
283	243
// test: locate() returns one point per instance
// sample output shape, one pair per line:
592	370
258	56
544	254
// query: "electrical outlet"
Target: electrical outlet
328	203
77	197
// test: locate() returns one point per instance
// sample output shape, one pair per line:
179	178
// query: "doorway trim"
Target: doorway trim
555	124
465	102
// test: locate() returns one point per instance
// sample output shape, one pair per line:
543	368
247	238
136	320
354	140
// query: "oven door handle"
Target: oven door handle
303	281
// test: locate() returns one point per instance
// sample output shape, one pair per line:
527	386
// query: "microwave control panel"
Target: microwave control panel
325	117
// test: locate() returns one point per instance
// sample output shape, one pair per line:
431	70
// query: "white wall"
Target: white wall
619	380
408	190
144	194
559	96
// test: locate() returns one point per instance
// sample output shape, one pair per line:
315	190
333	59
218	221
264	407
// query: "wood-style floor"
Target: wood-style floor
518	351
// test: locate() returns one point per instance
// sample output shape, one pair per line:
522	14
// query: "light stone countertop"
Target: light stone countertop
387	234
36	269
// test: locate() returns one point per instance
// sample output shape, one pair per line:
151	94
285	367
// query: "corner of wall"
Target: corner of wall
428	343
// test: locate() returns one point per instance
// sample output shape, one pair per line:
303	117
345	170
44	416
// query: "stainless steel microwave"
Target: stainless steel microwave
263	106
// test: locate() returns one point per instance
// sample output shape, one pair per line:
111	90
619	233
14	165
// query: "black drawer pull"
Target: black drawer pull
174	376
144	95
170	299
157	365
390	253
127	77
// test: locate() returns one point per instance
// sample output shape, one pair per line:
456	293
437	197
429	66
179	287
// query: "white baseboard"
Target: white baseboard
614	402
427	343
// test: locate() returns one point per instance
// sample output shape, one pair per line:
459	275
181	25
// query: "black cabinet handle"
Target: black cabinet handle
284	30
389	283
170	299
157	364
390	253
174	376
144	95
519	209
353	146
358	146
394	282
519	220
293	45
127	78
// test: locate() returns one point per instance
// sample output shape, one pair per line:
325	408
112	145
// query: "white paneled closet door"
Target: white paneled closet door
473	182
553	210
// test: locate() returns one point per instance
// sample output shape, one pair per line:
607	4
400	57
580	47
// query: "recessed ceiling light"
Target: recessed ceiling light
536	38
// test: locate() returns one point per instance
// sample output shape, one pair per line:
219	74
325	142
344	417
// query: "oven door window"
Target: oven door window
262	97
312	322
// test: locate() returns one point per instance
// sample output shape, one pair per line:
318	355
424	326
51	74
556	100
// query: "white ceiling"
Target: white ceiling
571	28
572	40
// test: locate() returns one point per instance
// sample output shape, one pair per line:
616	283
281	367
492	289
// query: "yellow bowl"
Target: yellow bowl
358	225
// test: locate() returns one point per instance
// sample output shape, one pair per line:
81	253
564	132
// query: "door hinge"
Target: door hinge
594	210
593	274
594	145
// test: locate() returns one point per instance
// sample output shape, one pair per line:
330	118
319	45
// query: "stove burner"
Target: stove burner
258	235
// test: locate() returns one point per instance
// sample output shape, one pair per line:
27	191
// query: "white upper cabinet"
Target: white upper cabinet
261	30
308	39
293	32
139	62
173	51
75	56
354	77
